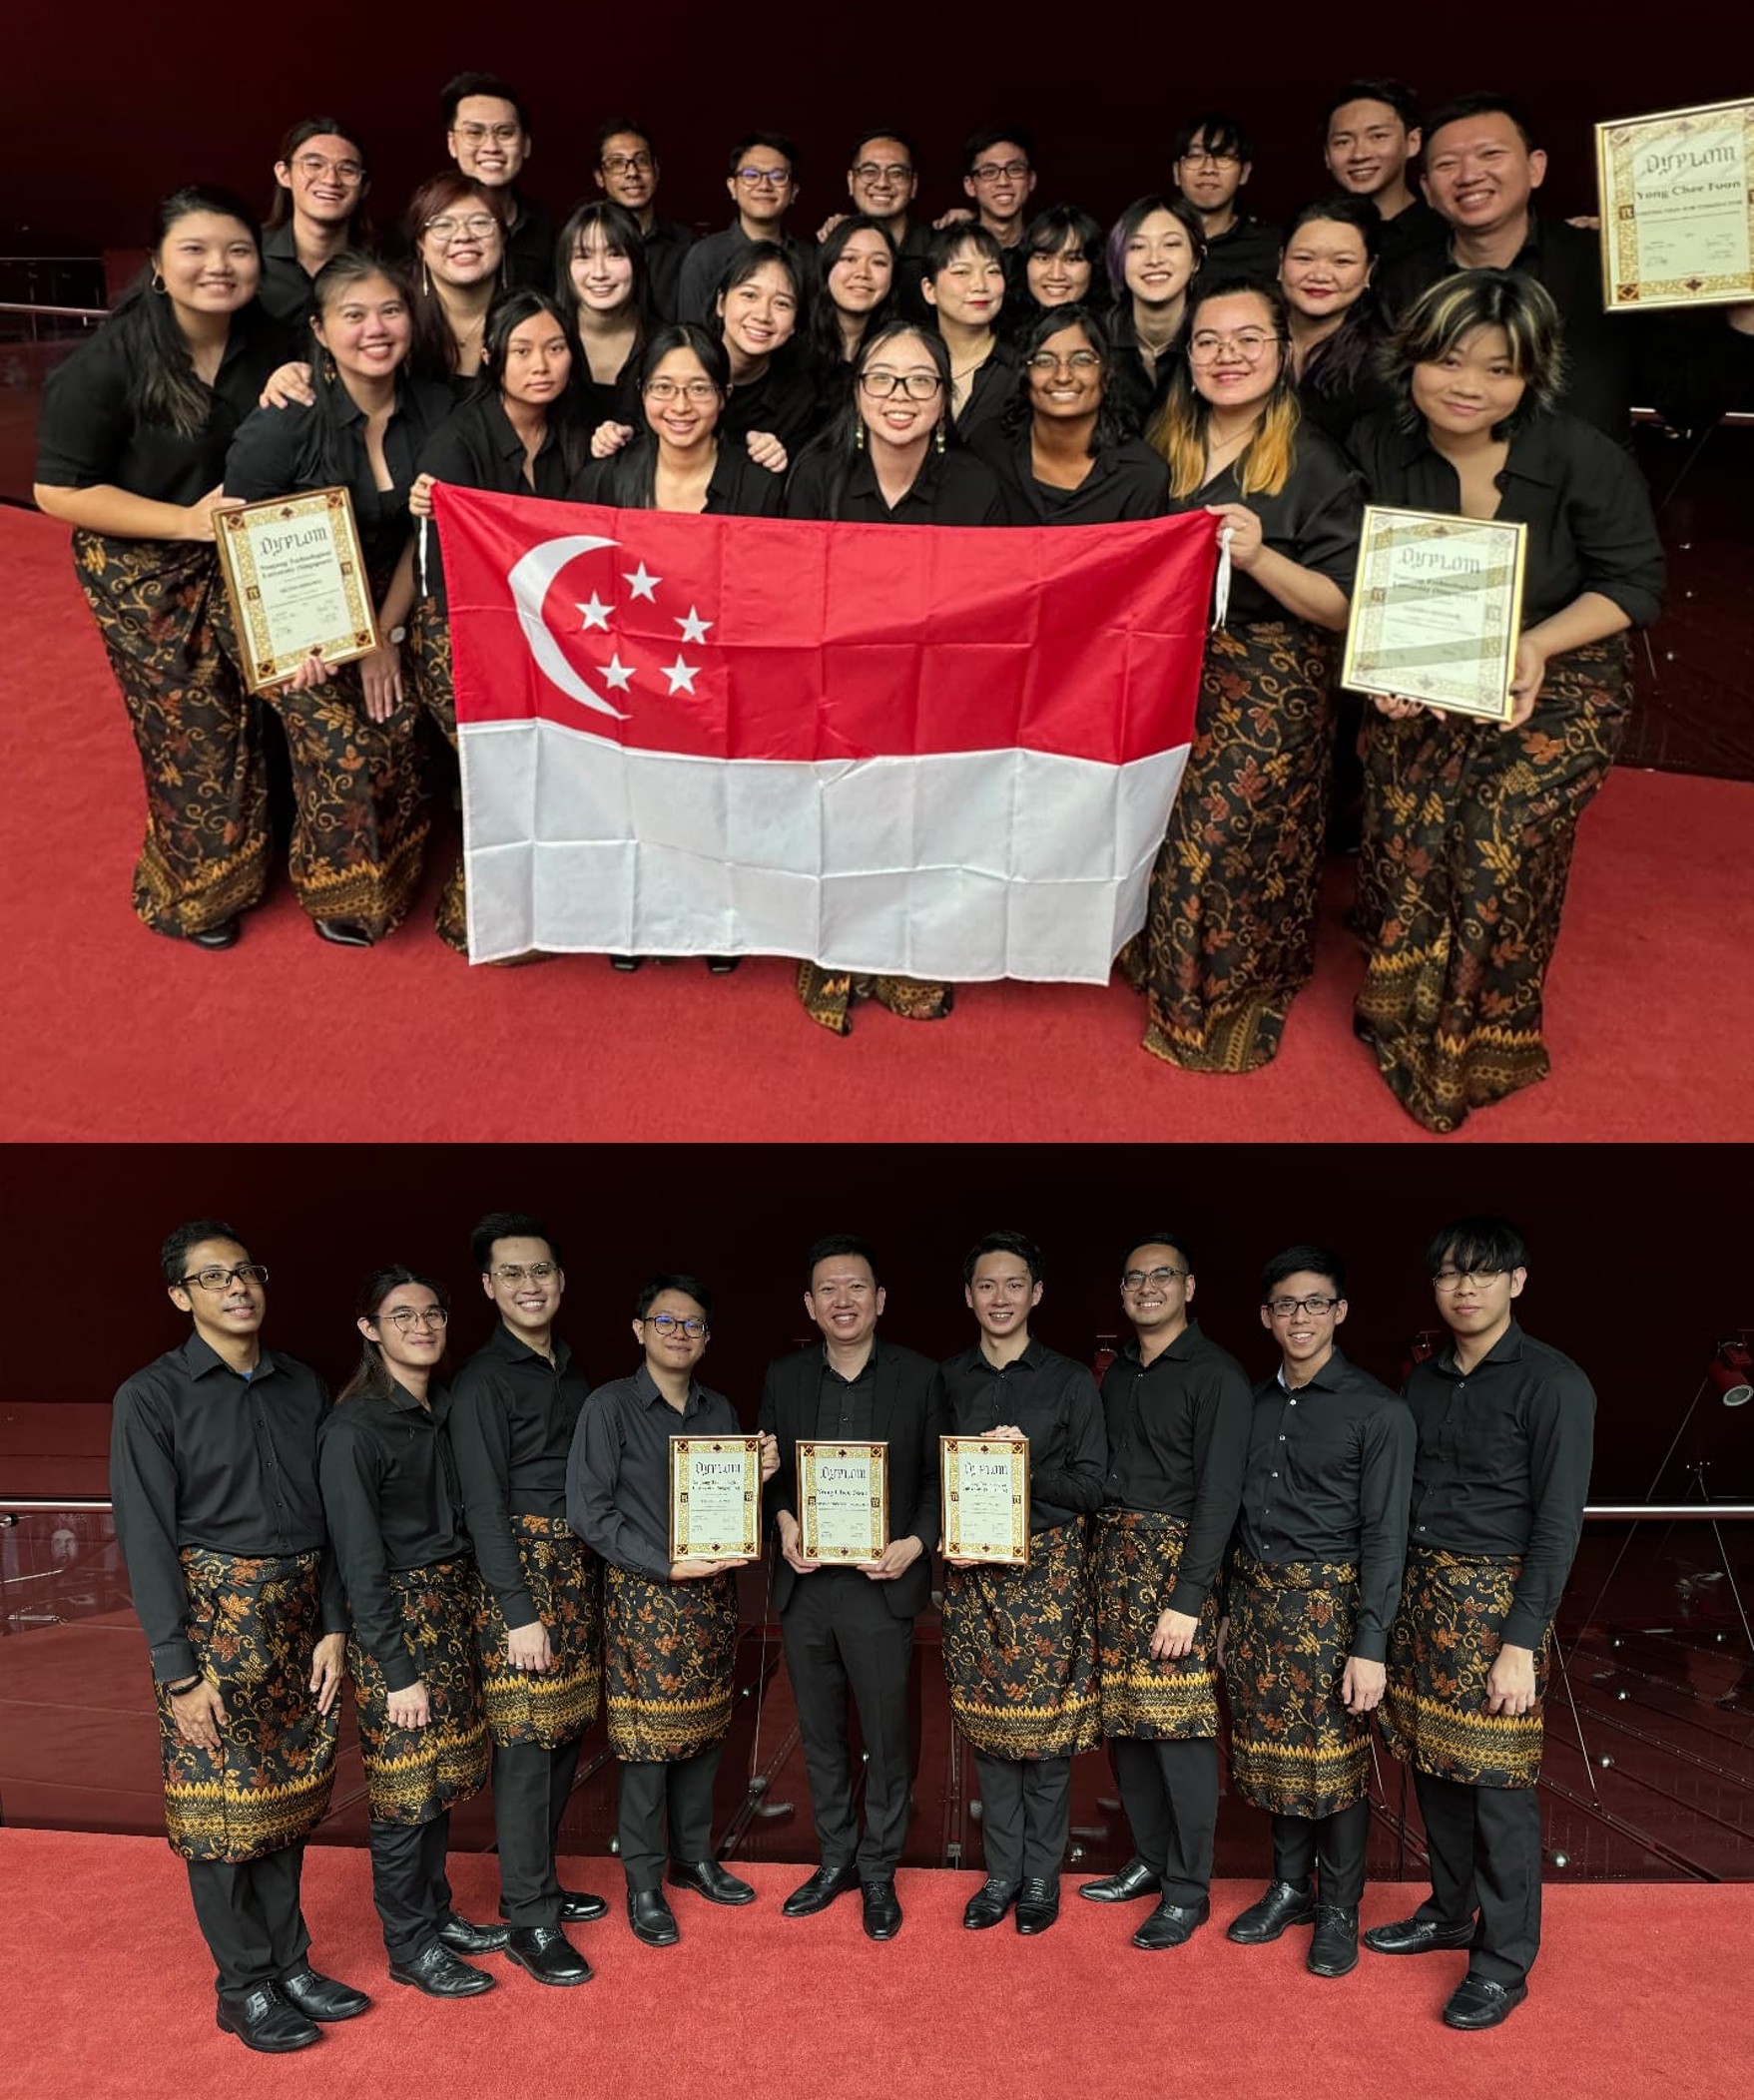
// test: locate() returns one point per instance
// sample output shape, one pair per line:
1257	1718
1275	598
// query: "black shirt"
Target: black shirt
1330	1471
992	387
1339	383
1126	480
1415	227
711	256
667	245
510	1419
200	1455
389	1490
1053	1402
529	246
476	447
951	488
91	435
618	1475
1503	1468
1314	521
843	1405
1178	1436
737	488
1248	250
910	253
286	285
785	401
1136	392
279	450
1583	500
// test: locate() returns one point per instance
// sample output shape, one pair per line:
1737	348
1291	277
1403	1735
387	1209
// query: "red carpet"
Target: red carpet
109	1991
1651	1005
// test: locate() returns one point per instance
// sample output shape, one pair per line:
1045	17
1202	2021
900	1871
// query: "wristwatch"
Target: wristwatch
396	636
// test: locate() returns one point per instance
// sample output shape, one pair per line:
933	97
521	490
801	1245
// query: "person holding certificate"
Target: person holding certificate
1018	1641
1470	824
1229	936
131	452
849	1627
669	1625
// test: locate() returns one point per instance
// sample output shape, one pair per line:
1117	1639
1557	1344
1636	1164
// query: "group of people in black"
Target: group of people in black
487	1556
1004	365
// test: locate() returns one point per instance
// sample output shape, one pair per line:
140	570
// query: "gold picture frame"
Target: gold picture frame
843	1503
1436	610
297	583
985	1498
714	1498
1676	193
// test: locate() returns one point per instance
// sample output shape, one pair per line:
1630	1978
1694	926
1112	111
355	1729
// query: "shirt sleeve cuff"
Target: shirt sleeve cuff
1370	1644
1524	1630
519	1609
1189	1597
173	1662
399	1672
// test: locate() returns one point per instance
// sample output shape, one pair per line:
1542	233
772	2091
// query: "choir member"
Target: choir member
457	240
1062	250
1155	249
857	268
601	278
487	133
999	174
1214	159
628	173
1336	327
965	287
762	178
1371	137
758	311
882	180
320	184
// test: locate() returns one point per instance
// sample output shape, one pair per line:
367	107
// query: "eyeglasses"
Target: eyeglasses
519	1272
882	171
993	171
691	390
478	224
1078	361
1250	345
500	134
217	1279
773	177
884	386
1284	1307
670	1323
1225	157
1137	1279
316	163
406	1318
628	164
1454	1278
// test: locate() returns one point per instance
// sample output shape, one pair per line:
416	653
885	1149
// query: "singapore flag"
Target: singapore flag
943	751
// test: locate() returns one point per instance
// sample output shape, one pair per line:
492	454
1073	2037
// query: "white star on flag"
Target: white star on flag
643	583
596	612
681	675
694	628
617	674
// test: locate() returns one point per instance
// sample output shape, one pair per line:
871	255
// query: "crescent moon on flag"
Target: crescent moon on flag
529	580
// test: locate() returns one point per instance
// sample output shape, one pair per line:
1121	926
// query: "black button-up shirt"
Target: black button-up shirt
510	1417
1126	480
1503	1468
1247	249
1314	521
202	1457
286	285
389	1491
992	387
1178	1436
666	245
951	488
736	488
843	1405
476	447
529	246
1330	1471
618	1476
711	256
1053	1402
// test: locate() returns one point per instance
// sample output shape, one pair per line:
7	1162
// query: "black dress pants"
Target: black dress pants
1025	1814
530	1790
1170	1792
249	1916
409	1884
1332	1846
1484	1846
679	1794
840	1637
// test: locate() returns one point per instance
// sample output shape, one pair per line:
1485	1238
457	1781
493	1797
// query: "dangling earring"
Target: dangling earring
938	436
158	283
859	436
328	367
425	280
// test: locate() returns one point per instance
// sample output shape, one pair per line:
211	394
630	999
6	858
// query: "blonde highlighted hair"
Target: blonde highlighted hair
1178	431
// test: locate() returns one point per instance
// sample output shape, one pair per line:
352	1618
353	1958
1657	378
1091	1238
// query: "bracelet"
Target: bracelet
183	1690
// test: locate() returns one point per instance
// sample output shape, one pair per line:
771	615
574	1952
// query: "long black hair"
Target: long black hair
632	481
373	1379
1110	427
565	418
1338	364
622	236
824	325
302	133
838	439
164	388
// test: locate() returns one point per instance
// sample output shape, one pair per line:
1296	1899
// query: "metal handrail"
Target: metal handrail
54	313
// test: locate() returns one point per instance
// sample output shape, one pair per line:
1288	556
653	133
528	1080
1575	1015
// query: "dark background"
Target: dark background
111	104
1639	1255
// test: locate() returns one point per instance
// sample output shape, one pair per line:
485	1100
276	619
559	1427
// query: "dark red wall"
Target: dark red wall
113	104
1640	1254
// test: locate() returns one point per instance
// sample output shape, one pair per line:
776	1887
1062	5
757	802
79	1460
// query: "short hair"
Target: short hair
1485	103
466	83
981	142
1319	1261
1394	94
174	1255
1174	1240
1343	209
947	241
1134	217
1061	226
882	131
509	1225
667	1280
774	142
1017	1243
615	126
832	1243
1480	1245
1220	133
1480	299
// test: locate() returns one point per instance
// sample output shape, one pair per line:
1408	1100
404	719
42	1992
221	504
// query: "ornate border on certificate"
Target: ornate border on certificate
1436	610
1677	207
298	582
1007	1539
828	1474
715	1497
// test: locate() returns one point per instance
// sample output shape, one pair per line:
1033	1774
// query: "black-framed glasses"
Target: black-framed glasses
884	386
628	164
993	171
406	1318
671	1322
771	178
1224	157
1454	1278
216	1278
1137	1279
525	1271
1284	1307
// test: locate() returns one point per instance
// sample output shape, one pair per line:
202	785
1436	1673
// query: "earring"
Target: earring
859	437
328	367
425	281
938	436
158	285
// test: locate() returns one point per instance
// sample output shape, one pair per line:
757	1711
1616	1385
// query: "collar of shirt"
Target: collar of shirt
1507	1349
401	1398
1533	455
1187	1344
1034	1355
647	1389
1330	1379
502	433
863	480
200	1357
866	1369
505	1344
278	244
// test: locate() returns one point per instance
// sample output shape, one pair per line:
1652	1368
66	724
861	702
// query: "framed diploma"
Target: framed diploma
986	1498
296	582
842	1501
715	1497
1437	607
1677	210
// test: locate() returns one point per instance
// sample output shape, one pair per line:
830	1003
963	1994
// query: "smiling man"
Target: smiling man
1314	1580
1213	161
761	177
1370	137
487	133
320	182
852	1628
1505	1429
628	173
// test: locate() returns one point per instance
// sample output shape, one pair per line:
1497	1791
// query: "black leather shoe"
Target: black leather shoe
1172	1924
464	1938
651	1917
1479	2002
1334	1951
1135	1878
1418	1936
547	1953
820	1892
579	1908
440	1974
1038	1905
1280	1908
224	935
322	1997
707	1878
988	1904
883	1910
263	2019
343	933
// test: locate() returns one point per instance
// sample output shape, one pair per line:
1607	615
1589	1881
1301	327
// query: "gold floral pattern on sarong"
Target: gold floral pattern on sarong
1294	1749
1445	1640
1019	1650
1144	1697
413	1774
